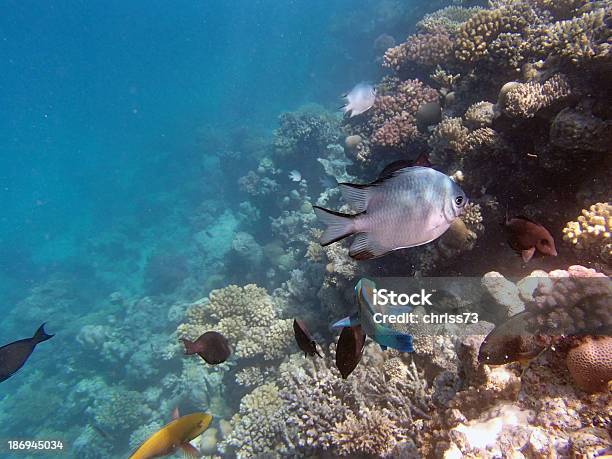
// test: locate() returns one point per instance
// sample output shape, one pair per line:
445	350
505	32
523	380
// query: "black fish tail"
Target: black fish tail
41	335
339	225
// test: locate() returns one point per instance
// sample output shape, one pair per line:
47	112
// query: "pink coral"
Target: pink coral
393	120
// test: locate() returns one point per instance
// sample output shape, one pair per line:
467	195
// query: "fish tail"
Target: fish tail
339	225
189	346
41	335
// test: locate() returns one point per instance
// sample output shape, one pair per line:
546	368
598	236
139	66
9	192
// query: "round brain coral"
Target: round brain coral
590	363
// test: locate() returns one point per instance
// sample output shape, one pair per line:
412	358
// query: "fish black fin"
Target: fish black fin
357	196
41	335
393	167
189	451
339	225
364	248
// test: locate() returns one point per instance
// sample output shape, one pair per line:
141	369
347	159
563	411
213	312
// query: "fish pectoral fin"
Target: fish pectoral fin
189	451
364	247
527	254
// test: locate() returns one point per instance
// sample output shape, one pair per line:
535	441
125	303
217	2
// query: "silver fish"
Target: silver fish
359	100
405	207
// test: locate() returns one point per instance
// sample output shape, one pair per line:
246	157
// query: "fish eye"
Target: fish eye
459	200
543	242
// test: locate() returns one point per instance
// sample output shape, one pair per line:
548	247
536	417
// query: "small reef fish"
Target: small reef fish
212	346
349	349
385	337
14	355
304	339
175	435
509	342
405	207
359	100
526	237
295	176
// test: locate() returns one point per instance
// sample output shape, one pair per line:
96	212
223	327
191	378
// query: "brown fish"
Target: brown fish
303	338
526	236
349	349
509	342
14	355
212	346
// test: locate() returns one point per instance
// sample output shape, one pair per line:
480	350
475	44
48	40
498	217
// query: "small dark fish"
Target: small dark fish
349	349
509	342
526	236
303	338
212	346
14	355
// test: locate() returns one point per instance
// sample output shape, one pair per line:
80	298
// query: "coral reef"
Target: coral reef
590	234
526	99
246	316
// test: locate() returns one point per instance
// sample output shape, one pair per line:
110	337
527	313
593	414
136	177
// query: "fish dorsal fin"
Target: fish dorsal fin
522	217
175	414
357	196
422	160
394	167
364	247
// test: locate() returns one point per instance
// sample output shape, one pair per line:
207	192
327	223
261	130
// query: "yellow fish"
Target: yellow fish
174	435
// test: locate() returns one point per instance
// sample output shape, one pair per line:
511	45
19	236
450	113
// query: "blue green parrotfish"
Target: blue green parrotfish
385	336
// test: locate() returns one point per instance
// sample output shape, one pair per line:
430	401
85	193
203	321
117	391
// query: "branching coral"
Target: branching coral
370	432
479	115
393	122
524	100
578	39
448	18
430	48
475	36
449	135
258	426
575	301
307	130
591	232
